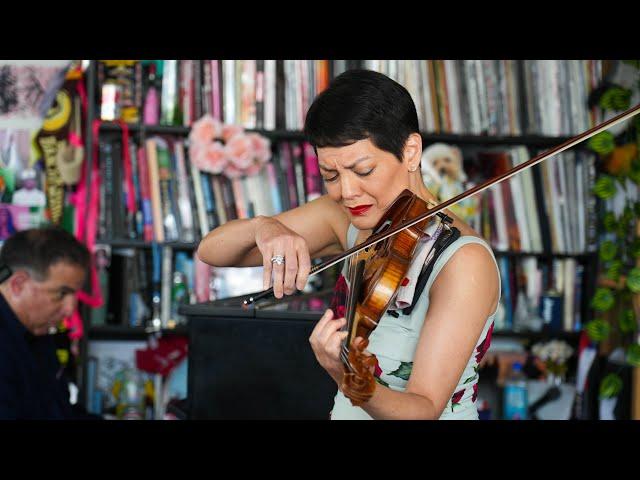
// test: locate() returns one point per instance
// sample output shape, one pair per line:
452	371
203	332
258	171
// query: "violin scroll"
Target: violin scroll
358	382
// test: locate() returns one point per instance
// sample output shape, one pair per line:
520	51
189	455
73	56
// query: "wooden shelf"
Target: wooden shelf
428	137
180	130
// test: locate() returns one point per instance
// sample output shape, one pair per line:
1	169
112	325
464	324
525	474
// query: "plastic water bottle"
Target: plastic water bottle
516	400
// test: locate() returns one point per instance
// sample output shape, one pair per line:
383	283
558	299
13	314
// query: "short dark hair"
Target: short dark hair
360	104
37	249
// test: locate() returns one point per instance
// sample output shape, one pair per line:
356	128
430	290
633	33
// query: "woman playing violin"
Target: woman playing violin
364	128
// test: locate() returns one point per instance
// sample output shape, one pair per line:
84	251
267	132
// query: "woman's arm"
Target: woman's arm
312	230
463	295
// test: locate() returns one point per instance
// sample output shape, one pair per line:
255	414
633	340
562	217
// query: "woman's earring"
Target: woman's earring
413	169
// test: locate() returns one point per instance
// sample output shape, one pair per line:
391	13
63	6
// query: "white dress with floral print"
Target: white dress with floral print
394	342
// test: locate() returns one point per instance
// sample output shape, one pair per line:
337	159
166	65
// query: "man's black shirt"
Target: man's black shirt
32	385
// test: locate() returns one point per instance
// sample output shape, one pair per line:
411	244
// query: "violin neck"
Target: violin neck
355	283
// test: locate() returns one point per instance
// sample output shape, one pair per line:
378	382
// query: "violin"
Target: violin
376	273
375	276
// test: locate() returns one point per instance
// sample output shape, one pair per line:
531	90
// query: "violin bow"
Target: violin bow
373	239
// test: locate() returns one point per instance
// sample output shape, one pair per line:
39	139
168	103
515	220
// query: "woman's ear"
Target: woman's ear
413	152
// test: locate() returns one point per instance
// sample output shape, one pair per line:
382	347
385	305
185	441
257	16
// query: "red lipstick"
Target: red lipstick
359	210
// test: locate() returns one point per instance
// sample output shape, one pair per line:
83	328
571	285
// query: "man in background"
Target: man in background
42	271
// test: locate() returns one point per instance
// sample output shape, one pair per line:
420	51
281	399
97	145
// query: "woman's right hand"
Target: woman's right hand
274	239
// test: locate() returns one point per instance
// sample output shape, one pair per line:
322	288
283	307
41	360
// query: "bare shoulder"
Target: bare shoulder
471	270
470	258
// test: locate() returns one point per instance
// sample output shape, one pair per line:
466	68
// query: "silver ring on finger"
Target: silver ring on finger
278	259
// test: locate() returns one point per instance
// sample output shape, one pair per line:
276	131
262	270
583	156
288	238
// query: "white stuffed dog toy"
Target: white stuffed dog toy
443	173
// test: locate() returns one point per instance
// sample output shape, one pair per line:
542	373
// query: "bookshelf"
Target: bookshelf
140	132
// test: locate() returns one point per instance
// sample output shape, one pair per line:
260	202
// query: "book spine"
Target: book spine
154	182
207	104
216	90
196	176
229	94
166	193
184	204
259	87
106	191
169	96
145	195
136	225
270	94
186	91
197	89
167	283
209	203
248	94
219	199
313	178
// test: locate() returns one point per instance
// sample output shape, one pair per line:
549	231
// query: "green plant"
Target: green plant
619	250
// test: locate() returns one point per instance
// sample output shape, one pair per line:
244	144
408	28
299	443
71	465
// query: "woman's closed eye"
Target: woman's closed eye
360	174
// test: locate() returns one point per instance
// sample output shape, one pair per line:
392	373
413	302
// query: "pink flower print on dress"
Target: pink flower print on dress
484	345
455	399
378	370
340	295
474	397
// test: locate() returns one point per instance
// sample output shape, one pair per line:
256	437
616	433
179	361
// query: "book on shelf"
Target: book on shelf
540	295
218	198
143	284
545	209
145	195
170	219
494	97
169	101
175	201
154	186
184	199
127	76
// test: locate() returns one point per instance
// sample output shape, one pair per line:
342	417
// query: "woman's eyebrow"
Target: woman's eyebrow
322	167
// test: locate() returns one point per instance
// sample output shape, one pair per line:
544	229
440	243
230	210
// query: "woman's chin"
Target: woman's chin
364	222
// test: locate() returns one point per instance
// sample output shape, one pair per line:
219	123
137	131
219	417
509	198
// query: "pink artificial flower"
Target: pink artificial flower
211	158
205	130
196	150
240	151
261	147
231	171
253	169
230	130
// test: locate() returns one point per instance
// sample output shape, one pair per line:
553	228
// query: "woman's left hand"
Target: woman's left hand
326	342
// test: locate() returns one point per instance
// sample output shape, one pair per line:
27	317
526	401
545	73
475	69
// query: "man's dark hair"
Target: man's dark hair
360	104
37	249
